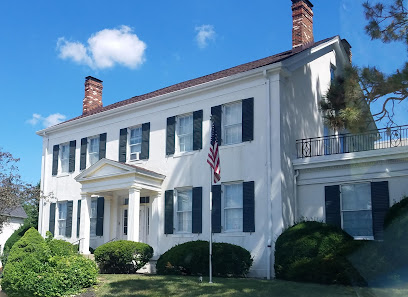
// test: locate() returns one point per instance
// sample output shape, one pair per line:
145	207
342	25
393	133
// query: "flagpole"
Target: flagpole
210	259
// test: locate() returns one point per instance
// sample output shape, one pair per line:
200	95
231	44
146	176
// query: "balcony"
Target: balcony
349	143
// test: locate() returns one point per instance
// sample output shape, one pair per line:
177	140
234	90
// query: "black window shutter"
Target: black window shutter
102	146
168	212
122	145
380	202
332	203
145	141
72	148
198	130
249	206
68	224
216	119
216	209
99	216
84	143
197	214
79	217
170	135
51	225
55	153
248	119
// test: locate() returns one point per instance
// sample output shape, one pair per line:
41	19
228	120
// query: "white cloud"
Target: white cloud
51	120
205	33
105	49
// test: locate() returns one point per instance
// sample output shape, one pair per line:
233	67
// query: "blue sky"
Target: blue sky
49	47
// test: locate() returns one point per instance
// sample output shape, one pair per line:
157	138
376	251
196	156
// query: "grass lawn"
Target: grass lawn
144	285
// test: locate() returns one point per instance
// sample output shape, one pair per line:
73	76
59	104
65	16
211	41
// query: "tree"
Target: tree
388	23
13	191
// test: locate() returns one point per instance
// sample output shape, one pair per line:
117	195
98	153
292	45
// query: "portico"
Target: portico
116	201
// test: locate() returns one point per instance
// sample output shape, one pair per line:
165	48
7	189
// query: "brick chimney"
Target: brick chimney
302	15
93	95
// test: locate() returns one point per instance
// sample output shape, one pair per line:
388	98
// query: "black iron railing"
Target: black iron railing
349	143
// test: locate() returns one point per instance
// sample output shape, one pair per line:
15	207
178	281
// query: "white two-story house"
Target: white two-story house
137	169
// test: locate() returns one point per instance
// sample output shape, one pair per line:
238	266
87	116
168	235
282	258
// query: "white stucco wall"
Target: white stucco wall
9	227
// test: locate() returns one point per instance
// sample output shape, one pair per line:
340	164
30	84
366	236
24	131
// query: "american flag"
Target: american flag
213	156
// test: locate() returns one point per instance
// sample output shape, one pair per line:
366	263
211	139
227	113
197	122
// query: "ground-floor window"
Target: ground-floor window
62	218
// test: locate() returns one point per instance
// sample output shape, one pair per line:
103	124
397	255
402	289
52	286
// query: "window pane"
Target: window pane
233	219
93	227
185	133
94	205
94	145
356	197
136	135
184	200
358	223
186	143
233	134
184	221
61	227
233	195
62	211
233	114
135	148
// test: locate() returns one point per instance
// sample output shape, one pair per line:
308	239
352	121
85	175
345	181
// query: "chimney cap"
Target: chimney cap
306	1
93	78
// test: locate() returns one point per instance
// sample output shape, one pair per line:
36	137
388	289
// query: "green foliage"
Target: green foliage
191	258
315	252
32	270
122	256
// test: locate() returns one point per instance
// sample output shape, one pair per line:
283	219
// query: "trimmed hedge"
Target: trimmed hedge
316	252
191	258
122	256
31	269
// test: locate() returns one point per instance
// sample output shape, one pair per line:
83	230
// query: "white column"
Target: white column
106	219
114	216
134	214
85	227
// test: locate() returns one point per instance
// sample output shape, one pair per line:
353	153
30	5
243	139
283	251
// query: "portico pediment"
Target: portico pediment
107	174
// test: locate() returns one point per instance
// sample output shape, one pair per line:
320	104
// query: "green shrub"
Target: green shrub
192	258
315	252
31	270
122	256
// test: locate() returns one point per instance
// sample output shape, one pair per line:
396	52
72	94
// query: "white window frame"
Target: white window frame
176	211
63	160
129	146
93	217
225	126
224	208
356	210
93	153
179	135
62	220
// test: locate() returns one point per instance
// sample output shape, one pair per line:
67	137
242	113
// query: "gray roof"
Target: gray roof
17	212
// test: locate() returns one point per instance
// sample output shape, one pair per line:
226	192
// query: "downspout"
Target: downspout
269	176
42	185
295	194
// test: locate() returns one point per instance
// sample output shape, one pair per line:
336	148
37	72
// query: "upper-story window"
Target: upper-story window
62	218
93	150
135	143
232	123
64	157
185	133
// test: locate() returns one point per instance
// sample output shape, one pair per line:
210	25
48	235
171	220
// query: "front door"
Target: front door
144	221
